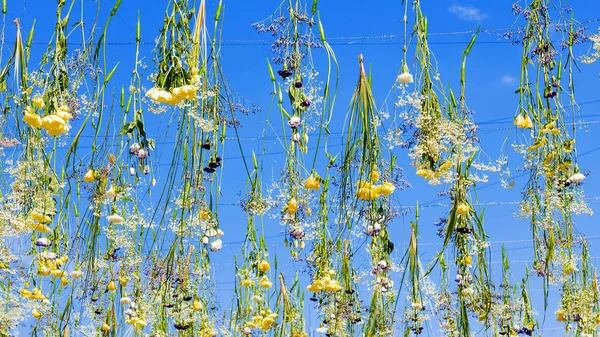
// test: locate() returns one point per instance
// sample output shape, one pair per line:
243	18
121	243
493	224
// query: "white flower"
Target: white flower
132	171
321	330
256	298
216	245
125	300
115	218
246	331
110	193
577	178
296	137
382	264
405	78
76	274
220	231
294	122
205	239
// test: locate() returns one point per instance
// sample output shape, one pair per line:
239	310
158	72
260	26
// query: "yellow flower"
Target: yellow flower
463	208
537	144
36	314
374	175
38	102
64	282
111	286
162	96
38	227
332	286
523	122
598	320
263	266
291	207
197	305
105	327
561	315
468	260
32	119
124	280
63	112
315	286
58	273
39	217
203	215
264	282
89	176
426	173
267	323
247	282
445	166
364	184
55	125
365	193
312	183
386	188
184	92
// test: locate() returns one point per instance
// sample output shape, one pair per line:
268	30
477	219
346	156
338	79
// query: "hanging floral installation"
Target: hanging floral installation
114	181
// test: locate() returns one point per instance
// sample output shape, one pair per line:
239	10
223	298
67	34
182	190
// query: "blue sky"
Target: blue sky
373	29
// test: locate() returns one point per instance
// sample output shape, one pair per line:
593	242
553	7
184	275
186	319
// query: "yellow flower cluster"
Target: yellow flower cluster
55	124
550	128
264	321
431	174
137	322
174	97
35	294
368	191
264	282
247	282
523	122
47	267
325	283
291	207
39	217
463	209
312	183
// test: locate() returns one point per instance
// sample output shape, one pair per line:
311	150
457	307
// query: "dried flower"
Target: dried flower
294	122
